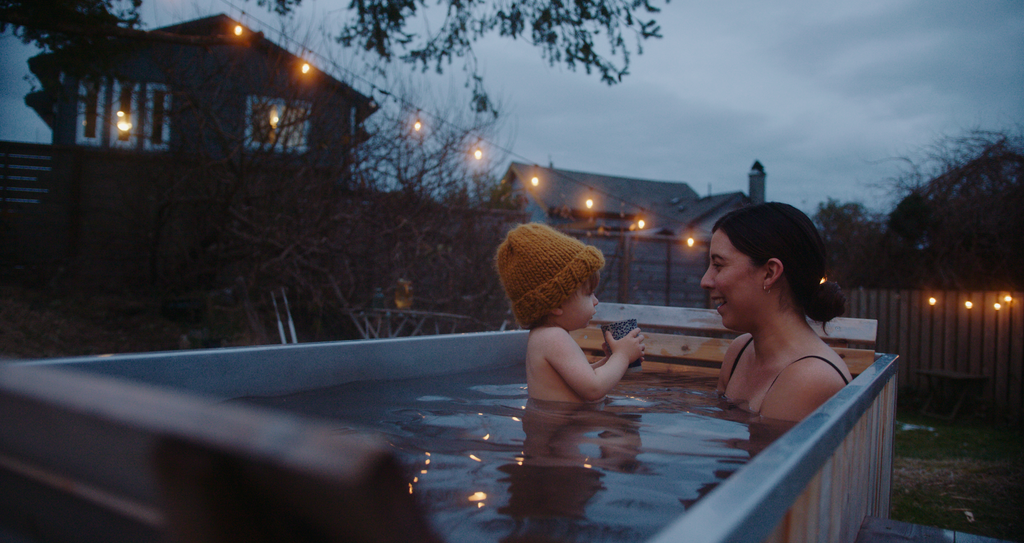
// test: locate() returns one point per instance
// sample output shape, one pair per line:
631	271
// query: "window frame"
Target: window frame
288	139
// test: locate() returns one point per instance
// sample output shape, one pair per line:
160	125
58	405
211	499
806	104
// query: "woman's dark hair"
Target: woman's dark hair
777	230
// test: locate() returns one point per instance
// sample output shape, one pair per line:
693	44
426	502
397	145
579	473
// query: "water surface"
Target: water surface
487	464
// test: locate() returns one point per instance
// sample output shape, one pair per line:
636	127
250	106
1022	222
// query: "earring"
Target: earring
766	289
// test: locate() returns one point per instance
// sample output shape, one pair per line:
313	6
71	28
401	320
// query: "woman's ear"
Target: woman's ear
556	311
772	273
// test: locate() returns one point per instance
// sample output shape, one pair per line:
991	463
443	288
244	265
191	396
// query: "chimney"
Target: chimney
756	174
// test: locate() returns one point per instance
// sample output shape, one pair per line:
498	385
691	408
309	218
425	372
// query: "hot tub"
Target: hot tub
131	447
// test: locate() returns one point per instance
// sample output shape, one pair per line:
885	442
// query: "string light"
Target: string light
998	306
932	301
689	242
968	304
1008	298
477	153
590	203
305	67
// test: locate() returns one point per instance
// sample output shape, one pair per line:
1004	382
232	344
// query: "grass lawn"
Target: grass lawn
965	475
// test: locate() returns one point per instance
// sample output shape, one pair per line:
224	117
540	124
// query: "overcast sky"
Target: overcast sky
824	94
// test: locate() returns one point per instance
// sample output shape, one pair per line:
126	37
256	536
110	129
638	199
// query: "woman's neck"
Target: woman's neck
781	337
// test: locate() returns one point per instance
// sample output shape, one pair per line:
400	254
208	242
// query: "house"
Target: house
654	234
170	94
584	201
155	151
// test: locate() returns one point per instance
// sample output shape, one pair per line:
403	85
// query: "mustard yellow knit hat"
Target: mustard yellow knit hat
541	268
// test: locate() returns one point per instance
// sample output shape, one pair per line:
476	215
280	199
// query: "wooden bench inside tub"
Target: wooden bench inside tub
689	339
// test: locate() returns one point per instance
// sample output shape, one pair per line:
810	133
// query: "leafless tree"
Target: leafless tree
957	223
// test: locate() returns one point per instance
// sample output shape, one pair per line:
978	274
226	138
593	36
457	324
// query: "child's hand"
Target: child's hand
631	345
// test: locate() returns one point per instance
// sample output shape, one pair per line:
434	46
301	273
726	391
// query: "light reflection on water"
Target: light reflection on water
490	465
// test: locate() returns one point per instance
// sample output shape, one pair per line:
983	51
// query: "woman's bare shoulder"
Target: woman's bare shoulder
804	385
730	359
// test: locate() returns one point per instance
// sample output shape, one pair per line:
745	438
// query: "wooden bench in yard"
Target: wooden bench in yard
688	339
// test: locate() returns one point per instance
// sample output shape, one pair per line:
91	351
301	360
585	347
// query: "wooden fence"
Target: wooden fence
974	333
649	270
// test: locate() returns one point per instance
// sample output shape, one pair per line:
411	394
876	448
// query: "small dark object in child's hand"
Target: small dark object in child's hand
619	331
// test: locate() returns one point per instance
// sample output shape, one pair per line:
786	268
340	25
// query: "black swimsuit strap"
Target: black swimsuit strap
827	361
738	355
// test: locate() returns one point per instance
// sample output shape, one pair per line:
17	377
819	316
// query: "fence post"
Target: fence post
624	267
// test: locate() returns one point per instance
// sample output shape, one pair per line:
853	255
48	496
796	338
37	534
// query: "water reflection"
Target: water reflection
490	465
565	444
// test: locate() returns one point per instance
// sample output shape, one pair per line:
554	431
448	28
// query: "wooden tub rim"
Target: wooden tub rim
748	505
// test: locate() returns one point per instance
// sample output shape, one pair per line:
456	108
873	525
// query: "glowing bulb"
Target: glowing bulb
1008	298
124	126
590	203
822	282
473	456
689	242
968	304
998	306
535	181
305	67
640	224
478	154
120	114
238	30
932	301
417	126
410	488
478	496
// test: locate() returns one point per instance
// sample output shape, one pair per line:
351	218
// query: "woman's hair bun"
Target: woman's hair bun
828	302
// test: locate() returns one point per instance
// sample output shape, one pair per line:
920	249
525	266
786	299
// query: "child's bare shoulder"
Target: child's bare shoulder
550	339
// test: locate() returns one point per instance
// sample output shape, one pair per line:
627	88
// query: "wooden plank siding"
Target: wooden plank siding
706	340
656	270
980	340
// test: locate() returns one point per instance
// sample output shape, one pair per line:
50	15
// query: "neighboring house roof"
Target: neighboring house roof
669	207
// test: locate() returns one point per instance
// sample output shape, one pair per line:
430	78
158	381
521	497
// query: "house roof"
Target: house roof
222	25
670	207
218	26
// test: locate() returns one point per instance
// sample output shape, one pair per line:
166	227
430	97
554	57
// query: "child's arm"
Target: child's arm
591	383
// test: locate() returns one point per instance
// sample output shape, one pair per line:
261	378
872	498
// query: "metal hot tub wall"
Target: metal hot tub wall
84	445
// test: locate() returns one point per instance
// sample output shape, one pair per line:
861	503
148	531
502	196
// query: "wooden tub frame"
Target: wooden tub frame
95	445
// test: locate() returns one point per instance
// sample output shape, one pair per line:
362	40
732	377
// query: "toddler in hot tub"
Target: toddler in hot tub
550	280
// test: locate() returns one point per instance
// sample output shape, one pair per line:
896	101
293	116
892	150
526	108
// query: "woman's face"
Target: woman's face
735	286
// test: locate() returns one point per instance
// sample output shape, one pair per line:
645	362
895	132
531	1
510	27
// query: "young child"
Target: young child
550	279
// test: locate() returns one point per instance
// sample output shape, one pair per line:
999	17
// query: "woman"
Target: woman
766	277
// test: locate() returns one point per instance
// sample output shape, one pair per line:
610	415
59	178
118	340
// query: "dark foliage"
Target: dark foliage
958	225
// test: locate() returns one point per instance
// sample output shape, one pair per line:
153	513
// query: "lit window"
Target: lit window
124	122
276	123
